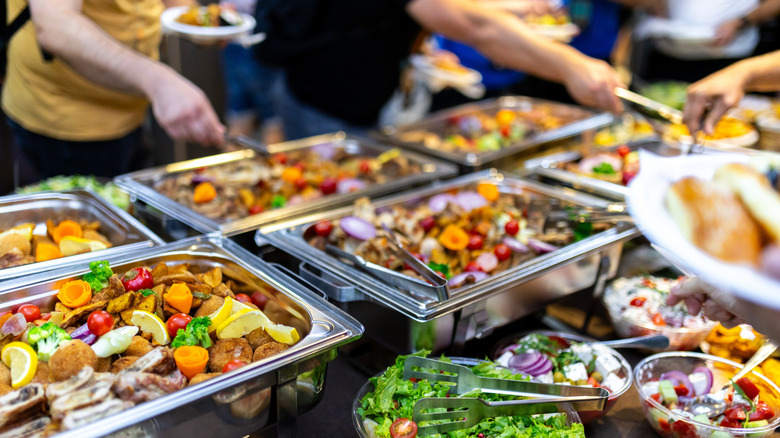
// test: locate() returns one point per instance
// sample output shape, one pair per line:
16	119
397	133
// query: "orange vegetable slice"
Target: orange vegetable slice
75	293
46	251
66	228
191	360
454	238
179	297
291	174
489	191
204	192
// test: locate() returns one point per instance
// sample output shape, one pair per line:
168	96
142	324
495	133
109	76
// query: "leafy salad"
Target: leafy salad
393	399
107	191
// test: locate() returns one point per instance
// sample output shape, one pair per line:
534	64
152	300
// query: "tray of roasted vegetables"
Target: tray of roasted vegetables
122	335
238	191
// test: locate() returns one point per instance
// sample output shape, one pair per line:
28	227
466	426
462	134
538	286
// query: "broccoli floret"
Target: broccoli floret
146	292
197	332
46	338
98	275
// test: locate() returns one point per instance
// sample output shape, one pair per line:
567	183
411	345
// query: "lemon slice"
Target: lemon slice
242	323
24	230
239	306
72	245
282	333
220	315
22	361
150	323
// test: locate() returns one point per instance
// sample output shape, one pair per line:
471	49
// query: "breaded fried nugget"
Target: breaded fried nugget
210	306
103	365
202	377
139	346
123	363
258	337
225	350
268	349
69	359
41	373
5	389
5	375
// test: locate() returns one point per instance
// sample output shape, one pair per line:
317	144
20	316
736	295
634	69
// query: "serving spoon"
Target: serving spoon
714	404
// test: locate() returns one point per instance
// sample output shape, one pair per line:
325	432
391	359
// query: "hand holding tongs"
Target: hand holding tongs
466	412
650	108
395	243
247	142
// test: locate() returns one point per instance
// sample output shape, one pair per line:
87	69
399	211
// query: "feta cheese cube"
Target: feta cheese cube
504	358
583	351
575	372
613	382
545	378
606	364
650	388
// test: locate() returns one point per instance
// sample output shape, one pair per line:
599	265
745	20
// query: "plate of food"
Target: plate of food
716	216
555	26
207	23
729	131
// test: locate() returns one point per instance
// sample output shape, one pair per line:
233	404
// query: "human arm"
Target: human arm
722	90
506	40
181	108
765	11
654	7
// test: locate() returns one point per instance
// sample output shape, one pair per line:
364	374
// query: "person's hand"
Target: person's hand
726	32
710	98
699	295
592	82
521	7
185	113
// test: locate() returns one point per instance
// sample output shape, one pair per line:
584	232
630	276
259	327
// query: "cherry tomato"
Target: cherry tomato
255	209
403	428
512	227
623	150
137	279
300	166
638	301
562	343
750	388
323	228
100	322
658	320
656	397
502	252
30	312
233	365
737	413
243	298
730	423
427	223
505	131
301	183
663	423
763	412
365	167
281	158
259	299
472	266
681	390
475	242
684	429
628	176
328	186
175	323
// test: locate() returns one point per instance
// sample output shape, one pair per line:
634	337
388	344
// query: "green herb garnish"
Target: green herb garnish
604	168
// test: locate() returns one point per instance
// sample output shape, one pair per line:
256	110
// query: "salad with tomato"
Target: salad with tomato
386	411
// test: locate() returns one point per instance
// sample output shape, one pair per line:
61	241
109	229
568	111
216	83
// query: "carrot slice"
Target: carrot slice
66	228
191	360
46	251
75	293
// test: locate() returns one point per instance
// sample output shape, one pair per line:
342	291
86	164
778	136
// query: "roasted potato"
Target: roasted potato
225	350
120	303
73	317
212	278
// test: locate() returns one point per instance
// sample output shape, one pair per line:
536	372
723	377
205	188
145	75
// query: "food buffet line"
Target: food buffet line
444	238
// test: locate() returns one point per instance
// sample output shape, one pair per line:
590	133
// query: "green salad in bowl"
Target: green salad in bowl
384	406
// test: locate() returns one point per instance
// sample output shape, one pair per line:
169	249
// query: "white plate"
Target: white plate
646	204
558	32
202	33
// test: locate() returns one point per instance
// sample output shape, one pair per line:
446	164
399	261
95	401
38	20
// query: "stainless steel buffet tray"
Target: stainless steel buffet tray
217	407
502	298
469	161
141	184
123	231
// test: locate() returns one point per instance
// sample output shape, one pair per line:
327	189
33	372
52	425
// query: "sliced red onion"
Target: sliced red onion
679	378
439	202
84	335
515	245
701	378
197	179
461	278
358	228
15	325
541	247
350	185
524	361
324	150
487	261
543	368
510	347
469	201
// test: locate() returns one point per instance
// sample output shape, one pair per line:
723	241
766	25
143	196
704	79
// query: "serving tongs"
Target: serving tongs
396	244
394	278
650	108
247	142
452	413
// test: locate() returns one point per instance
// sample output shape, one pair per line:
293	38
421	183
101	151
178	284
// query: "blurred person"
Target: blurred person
80	77
762	14
342	60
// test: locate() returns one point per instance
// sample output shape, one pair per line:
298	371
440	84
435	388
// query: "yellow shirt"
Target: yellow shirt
51	99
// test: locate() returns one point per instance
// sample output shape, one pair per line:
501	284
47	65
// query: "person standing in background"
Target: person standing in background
80	111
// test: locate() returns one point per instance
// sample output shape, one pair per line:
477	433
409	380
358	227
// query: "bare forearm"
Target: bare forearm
761	73
765	11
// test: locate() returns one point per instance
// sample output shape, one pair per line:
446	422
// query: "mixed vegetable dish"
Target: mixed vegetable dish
213	15
386	411
27	243
617	166
252	186
113	341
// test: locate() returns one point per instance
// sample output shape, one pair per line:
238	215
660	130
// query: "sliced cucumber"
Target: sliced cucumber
720	434
701	418
666	389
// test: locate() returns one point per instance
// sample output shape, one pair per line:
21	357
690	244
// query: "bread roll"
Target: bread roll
712	218
756	193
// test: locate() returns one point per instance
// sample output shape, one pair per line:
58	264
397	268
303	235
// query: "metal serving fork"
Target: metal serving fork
464	381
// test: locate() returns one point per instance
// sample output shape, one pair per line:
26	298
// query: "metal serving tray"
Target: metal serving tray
141	184
470	161
214	407
123	231
497	300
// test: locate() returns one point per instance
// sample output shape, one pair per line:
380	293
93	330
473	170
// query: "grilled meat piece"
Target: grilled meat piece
93	413
31	429
80	399
139	387
22	404
76	382
158	361
15	258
